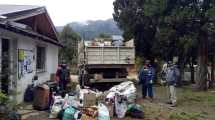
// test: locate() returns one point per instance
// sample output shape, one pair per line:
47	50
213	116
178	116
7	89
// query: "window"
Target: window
41	58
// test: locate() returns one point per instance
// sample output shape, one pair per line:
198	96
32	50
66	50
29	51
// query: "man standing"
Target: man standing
64	77
172	74
146	78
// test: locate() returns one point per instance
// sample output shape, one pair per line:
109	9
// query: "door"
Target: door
5	66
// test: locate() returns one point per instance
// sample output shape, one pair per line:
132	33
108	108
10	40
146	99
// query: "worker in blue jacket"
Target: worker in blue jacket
146	79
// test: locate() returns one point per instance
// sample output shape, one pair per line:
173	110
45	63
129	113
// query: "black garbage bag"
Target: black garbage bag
29	94
60	115
135	111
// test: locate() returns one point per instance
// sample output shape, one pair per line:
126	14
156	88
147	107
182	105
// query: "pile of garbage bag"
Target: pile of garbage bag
126	89
88	104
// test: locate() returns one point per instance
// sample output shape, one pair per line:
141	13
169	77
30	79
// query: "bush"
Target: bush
3	98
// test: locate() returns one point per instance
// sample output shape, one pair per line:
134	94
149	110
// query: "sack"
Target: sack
121	107
29	94
110	107
56	107
60	115
55	110
77	115
135	111
103	112
126	89
70	101
69	113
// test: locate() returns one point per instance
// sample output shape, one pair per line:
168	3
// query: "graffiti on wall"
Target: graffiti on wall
26	58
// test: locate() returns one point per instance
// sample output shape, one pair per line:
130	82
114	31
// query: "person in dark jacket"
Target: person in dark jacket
146	79
64	77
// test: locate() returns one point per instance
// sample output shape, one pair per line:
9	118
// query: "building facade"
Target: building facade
28	48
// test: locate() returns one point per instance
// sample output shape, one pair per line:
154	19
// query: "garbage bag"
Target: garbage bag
56	107
70	100
77	115
120	107
69	113
135	111
103	112
126	89
55	110
134	106
60	114
29	94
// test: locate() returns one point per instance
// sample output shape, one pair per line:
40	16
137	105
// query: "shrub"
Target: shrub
3	98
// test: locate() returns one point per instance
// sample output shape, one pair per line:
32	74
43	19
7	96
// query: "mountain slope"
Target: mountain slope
92	29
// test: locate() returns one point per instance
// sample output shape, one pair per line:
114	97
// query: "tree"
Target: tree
193	21
104	35
175	27
69	39
138	21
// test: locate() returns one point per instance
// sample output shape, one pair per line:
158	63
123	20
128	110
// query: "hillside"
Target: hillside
92	29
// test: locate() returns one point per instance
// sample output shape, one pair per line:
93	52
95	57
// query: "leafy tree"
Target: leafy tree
69	39
138	22
170	28
199	21
104	35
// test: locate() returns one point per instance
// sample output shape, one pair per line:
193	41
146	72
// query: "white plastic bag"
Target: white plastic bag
125	89
120	107
56	107
70	101
103	112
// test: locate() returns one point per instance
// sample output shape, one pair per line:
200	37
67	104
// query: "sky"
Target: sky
66	11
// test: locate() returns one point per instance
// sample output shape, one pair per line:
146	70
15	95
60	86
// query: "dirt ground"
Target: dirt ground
191	106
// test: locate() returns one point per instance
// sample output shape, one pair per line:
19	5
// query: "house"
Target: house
28	48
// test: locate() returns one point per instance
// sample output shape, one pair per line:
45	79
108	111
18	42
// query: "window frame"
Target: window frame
44	69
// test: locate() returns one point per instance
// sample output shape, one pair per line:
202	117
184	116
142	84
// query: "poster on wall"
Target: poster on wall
26	58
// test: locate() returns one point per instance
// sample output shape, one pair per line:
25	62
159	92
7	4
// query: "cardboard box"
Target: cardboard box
89	99
86	117
90	111
52	77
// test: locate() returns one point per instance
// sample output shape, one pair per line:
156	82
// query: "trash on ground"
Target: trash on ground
103	112
120	106
135	111
88	104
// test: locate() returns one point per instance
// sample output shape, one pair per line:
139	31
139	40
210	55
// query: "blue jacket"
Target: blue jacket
146	74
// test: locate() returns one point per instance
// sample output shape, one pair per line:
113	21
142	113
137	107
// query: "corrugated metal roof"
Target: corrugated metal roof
7	9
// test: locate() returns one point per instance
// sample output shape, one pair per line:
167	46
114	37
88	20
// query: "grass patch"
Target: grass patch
187	96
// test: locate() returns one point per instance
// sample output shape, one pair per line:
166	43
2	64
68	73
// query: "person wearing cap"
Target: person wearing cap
172	74
146	78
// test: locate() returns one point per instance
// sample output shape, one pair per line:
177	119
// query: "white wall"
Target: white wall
27	43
